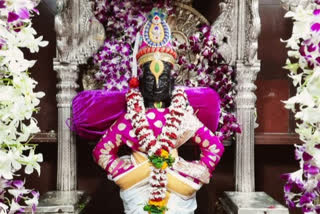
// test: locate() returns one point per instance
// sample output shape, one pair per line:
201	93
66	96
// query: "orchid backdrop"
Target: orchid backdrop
123	19
18	102
303	186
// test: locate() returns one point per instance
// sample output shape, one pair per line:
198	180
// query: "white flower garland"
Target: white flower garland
147	140
302	188
18	102
166	140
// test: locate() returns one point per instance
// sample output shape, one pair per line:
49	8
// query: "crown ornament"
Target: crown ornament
155	47
156	39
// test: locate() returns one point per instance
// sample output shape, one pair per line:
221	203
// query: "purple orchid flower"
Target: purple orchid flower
23	13
2	4
12	17
315	27
310	169
307	198
18	184
306	156
35	194
311	48
2	43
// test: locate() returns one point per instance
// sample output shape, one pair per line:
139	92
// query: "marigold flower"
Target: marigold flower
164	153
161	203
164	165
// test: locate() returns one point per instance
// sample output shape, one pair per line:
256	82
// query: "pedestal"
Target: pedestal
66	202
251	203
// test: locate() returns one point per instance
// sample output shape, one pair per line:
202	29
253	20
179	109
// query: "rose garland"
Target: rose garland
18	101
123	19
302	188
158	149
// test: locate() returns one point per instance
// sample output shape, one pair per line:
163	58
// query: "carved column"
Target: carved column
67	166
79	35
247	67
245	199
245	101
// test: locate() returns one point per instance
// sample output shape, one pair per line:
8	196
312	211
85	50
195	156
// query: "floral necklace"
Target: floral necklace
158	149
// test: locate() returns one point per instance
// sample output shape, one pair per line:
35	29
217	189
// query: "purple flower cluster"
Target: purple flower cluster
210	70
19	14
19	195
123	19
302	188
310	48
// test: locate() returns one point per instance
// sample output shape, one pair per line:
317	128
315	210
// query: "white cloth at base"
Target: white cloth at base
136	197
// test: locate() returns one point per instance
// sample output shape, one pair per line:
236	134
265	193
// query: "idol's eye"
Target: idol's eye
164	77
149	78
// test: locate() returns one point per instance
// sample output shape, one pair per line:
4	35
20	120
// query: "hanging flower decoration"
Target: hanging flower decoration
123	19
18	102
303	186
158	149
210	70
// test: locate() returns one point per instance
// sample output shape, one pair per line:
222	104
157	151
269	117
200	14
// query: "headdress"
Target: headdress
155	47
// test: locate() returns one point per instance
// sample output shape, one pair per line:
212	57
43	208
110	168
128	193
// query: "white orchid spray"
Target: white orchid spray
18	102
303	186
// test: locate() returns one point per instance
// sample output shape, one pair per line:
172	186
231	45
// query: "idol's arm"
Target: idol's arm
105	152
211	152
210	146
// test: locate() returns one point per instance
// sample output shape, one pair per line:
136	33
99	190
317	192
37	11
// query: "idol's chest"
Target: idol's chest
157	119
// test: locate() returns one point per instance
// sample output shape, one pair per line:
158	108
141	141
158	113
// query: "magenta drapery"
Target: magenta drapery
96	110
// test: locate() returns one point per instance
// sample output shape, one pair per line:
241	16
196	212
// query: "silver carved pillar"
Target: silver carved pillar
247	67
67	165
245	106
66	199
245	200
79	35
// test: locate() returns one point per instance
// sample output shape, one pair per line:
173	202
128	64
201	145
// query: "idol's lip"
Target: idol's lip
158	92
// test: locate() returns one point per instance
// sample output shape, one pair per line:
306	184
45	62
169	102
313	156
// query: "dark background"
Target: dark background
274	153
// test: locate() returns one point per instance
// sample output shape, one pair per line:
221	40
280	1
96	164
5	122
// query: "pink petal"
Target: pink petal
316	12
12	17
315	27
2	4
24	13
36	11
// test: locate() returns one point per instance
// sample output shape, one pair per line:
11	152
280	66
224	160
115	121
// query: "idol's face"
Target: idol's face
156	88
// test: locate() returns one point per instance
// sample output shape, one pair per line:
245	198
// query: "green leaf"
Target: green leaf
154	209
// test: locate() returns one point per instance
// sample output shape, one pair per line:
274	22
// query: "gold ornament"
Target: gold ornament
156	68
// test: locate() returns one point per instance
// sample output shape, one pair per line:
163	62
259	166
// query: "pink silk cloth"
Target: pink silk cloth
94	111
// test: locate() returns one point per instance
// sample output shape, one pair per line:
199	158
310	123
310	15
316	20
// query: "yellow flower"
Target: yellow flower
164	153
157	203
164	165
